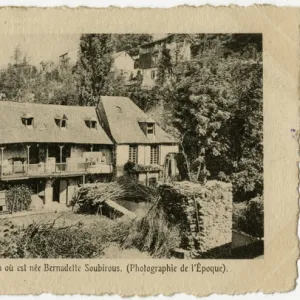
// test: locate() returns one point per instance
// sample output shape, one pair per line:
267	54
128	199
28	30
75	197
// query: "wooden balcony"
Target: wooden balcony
9	172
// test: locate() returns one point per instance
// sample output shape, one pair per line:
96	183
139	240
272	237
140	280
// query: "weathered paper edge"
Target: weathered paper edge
207	9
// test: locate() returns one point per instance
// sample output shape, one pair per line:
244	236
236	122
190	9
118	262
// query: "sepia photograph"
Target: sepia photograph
134	146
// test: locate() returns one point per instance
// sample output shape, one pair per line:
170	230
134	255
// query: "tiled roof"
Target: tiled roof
123	117
45	129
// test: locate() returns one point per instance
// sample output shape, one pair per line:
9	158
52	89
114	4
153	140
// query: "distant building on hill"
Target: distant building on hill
150	53
123	63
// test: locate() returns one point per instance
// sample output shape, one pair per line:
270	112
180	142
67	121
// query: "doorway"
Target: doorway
56	189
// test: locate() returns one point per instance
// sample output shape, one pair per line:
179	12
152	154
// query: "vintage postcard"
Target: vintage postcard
149	151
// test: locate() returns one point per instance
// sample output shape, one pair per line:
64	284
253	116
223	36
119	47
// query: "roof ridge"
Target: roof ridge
43	104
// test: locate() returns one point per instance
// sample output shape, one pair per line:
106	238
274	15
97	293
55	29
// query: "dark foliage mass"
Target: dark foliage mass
94	65
18	198
213	103
252	219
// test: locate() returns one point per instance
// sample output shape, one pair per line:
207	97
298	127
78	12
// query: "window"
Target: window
150	129
91	123
27	120
154	155
61	121
63	124
153	74
133	154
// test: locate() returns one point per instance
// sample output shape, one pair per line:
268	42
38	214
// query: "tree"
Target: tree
200	110
246	155
49	84
94	65
17	79
66	92
215	103
164	68
114	85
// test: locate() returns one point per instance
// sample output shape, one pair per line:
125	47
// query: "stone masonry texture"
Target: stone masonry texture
202	212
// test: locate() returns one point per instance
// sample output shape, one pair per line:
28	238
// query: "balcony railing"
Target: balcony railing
43	169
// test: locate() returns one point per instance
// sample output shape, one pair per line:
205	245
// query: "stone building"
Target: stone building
55	148
179	46
52	148
123	65
137	138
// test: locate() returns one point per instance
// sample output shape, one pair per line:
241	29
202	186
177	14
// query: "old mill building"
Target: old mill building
54	148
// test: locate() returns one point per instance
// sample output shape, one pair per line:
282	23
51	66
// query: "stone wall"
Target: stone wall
203	213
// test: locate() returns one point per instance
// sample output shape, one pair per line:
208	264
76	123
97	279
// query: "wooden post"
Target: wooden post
60	158
28	157
46	158
47	153
2	149
60	154
48	191
92	146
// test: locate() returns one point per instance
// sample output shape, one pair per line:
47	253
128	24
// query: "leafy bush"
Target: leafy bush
45	240
251	220
18	198
129	166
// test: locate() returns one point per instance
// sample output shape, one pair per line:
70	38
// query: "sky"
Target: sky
39	48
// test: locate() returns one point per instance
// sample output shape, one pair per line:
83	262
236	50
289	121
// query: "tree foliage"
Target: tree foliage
50	83
214	104
251	221
18	198
17	80
94	65
164	69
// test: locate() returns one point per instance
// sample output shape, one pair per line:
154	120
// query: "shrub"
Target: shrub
129	166
45	240
251	220
18	198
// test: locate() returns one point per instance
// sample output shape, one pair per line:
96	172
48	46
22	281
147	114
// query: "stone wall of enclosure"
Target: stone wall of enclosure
203	213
